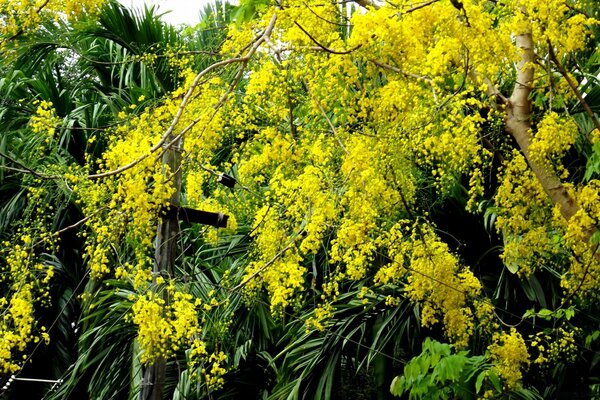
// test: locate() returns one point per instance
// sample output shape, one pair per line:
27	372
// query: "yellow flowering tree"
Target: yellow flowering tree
21	17
402	169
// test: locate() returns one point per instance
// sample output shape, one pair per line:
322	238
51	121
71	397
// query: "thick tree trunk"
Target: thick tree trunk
518	124
153	380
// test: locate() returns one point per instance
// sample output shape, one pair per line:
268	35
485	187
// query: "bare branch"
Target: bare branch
78	223
419	6
328	21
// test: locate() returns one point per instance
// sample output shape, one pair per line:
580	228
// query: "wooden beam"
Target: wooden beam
173	212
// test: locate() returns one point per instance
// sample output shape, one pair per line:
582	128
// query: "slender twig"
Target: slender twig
323	47
401	71
331	126
267	264
25	169
21	31
366	3
78	223
326	20
419	6
6	167
572	8
573	86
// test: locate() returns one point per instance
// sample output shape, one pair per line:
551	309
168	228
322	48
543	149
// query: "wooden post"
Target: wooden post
153	380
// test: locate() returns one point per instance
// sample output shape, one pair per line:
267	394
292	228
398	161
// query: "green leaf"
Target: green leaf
495	380
569	313
546	314
479	381
591	338
397	386
248	9
595	239
513	267
593	163
529	313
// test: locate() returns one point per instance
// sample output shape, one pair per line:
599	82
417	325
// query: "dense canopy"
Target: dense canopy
404	199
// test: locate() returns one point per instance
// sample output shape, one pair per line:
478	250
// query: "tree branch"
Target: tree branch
518	124
573	86
331	126
184	102
401	71
25	169
419	6
324	48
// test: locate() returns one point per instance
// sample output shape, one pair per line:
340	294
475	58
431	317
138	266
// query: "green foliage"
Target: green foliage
440	373
248	9
103	365
593	163
93	71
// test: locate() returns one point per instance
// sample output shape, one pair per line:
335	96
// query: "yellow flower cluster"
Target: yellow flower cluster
442	287
283	279
552	20
551	140
125	208
27	280
163	328
22	16
524	219
44	122
318	321
347	170
331	149
435	281
16	327
453	147
214	375
127	205
210	367
556	346
372	191
509	355
398	248
584	272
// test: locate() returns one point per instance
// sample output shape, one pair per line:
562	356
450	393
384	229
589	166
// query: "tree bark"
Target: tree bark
518	124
